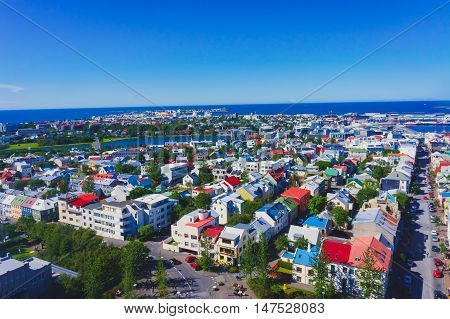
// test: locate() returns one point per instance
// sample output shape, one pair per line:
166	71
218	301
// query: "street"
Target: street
416	244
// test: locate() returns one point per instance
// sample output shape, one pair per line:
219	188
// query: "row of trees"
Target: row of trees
84	252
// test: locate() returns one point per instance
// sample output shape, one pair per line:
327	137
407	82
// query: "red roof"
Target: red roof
84	200
213	232
296	193
203	190
232	180
341	167
201	223
336	252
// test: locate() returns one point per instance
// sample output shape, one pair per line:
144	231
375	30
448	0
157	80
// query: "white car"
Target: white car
435	238
434	232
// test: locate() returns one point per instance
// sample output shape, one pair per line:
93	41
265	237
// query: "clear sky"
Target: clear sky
220	52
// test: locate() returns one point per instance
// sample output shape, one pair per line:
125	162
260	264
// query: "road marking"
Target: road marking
190	287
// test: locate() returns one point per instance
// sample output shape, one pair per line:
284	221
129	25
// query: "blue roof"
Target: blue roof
317	222
288	255
274	210
445	195
304	257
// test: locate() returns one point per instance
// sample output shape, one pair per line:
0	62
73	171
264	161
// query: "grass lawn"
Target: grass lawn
285	271
112	139
23	146
34	145
24	253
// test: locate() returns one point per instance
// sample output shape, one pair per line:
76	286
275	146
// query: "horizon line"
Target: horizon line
220	105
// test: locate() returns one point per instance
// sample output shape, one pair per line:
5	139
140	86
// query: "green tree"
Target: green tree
281	242
323	165
139	192
145	233
370	279
380	172
205	261
88	185
248	261
133	259
63	186
25	224
202	200
301	243
365	194
261	284
323	285
415	188
161	278
154	173
340	216
205	175
317	204
402	199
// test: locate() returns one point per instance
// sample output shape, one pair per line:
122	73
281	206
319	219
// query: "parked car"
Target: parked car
190	259
435	249
425	197
437	273
439	295
410	263
407	280
175	261
437	262
434	232
435	239
194	266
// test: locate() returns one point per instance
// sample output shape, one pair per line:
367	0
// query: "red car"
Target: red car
190	259
194	266
438	262
437	273
425	197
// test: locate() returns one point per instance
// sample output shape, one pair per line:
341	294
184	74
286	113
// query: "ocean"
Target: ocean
40	115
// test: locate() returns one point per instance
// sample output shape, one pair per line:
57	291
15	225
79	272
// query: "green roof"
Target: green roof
331	172
19	200
288	202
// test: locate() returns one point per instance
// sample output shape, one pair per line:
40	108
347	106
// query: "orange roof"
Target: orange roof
381	252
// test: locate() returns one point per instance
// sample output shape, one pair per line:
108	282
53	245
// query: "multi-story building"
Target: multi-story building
232	241
187	230
226	205
346	258
16	206
70	207
157	210
174	172
276	215
44	210
117	220
30	278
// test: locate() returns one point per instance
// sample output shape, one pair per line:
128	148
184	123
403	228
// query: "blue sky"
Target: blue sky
228	52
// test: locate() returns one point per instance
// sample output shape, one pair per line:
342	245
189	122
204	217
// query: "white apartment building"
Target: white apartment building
226	205
174	172
157	210
187	230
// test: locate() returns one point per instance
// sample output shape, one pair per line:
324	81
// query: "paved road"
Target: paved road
182	278
423	284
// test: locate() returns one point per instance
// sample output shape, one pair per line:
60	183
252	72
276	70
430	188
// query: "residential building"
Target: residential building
30	278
